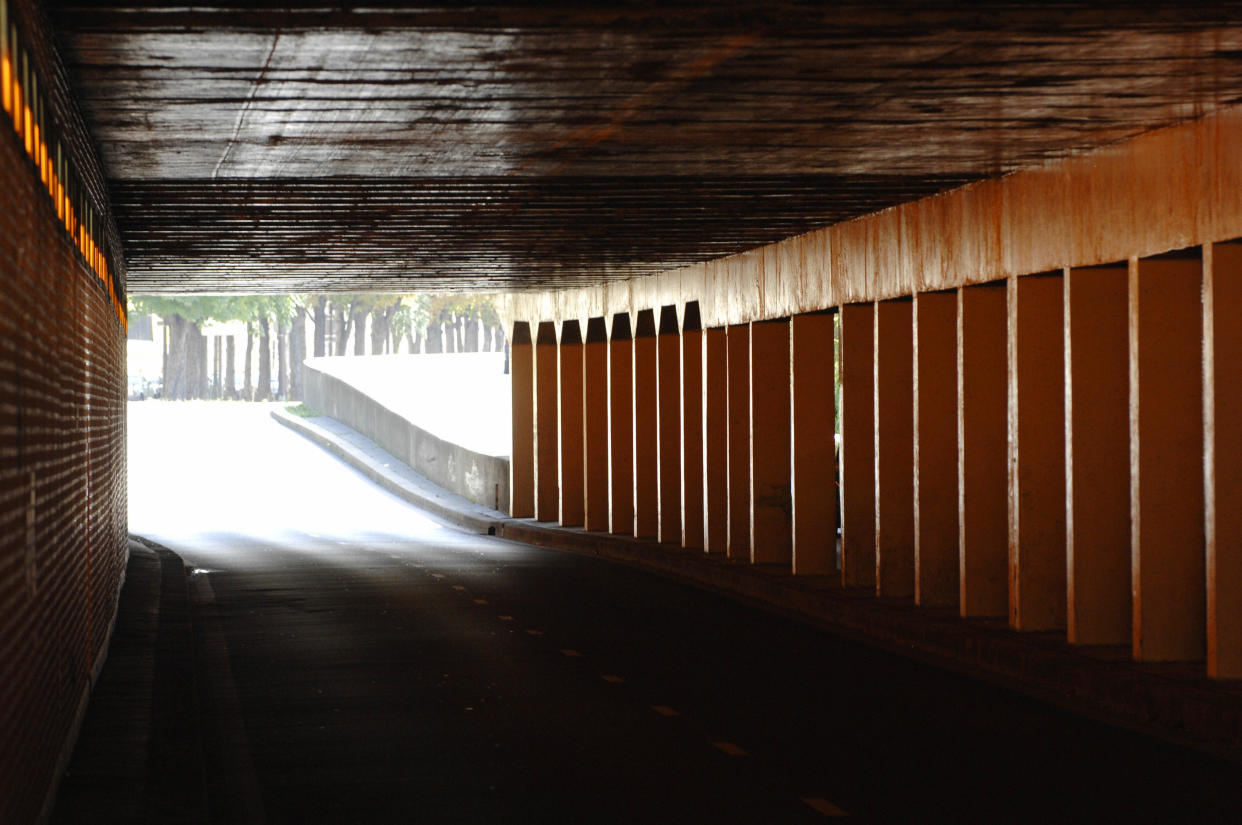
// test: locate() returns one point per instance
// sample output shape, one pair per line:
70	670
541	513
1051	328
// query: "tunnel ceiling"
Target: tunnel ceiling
541	144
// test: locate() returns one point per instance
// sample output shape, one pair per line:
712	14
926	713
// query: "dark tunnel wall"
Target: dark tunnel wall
62	469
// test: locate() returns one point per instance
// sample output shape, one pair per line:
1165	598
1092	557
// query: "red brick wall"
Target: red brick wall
62	483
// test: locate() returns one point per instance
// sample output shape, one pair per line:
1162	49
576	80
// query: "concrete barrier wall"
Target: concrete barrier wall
481	478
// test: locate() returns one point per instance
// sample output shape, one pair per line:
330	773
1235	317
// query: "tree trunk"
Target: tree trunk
230	369
360	331
435	337
472	334
196	362
175	361
378	332
282	360
264	391
341	328
321	324
248	389
297	354
450	334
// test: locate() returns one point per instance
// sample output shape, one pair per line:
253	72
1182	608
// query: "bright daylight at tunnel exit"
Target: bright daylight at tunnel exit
620	412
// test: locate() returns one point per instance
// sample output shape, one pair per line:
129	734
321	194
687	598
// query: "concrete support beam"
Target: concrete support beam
547	456
522	451
668	444
812	444
1036	350
738	340
771	540
1097	455
621	427
692	429
936	541
572	495
858	445
894	448
646	429
982	436
1166	449
715	441
595	425
1222	430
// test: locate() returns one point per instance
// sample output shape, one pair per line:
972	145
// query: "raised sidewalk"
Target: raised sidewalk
1174	701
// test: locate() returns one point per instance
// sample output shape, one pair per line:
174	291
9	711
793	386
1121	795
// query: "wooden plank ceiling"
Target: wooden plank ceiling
538	144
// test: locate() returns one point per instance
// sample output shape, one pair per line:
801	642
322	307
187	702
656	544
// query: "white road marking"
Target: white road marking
823	806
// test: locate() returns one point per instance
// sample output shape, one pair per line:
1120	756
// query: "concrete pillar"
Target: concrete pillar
715	441
547	454
771	516
595	425
858	445
936	540
1097	455
894	448
570	406
668	444
813	489
692	429
646	428
982	449
1166	448
1036	350
738	341
522	451
621	427
1222	429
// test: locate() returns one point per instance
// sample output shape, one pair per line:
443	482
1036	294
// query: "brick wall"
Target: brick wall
62	482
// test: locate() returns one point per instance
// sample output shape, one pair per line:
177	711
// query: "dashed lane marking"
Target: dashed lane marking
823	806
535	632
480	601
729	748
611	677
505	618
570	652
664	710
458	587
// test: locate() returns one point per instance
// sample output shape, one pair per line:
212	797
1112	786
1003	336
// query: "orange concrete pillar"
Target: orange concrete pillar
547	454
595	425
936	540
522	451
738	341
570	406
1097	455
982	450
813	490
1222	417
1166	448
692	429
771	517
646	428
621	427
668	445
1036	350
715	441
894	447
858	445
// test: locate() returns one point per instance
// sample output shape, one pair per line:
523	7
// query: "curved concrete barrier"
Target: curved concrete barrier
483	479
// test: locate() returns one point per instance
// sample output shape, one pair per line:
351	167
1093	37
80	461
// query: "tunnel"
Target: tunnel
1001	231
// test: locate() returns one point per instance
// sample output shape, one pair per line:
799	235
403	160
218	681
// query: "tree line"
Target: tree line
388	323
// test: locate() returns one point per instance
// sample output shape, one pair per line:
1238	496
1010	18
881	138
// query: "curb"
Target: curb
1176	702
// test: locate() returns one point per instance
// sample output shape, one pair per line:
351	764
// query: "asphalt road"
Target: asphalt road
355	661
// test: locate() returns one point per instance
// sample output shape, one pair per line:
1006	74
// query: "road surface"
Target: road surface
356	661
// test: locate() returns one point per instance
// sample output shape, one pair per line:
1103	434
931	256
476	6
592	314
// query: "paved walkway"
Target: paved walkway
343	657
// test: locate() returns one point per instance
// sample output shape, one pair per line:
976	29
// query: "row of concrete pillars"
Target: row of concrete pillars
1064	449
